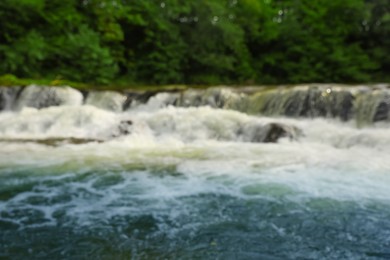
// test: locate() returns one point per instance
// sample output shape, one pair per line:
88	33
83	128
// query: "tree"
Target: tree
22	48
312	43
374	36
196	42
153	48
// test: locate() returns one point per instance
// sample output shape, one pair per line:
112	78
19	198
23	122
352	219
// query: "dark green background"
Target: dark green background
196	42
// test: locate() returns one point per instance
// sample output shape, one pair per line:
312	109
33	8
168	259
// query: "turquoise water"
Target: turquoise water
121	215
192	191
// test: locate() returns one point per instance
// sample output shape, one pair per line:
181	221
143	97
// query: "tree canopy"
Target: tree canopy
196	42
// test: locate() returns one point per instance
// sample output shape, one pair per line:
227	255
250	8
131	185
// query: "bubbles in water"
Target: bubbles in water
184	183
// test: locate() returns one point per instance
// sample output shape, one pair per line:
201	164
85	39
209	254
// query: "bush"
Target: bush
80	57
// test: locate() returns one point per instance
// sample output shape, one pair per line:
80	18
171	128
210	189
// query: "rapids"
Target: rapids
168	178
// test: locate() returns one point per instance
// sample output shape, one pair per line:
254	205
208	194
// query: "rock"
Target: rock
372	107
124	128
328	102
304	101
136	98
382	112
270	133
52	141
275	131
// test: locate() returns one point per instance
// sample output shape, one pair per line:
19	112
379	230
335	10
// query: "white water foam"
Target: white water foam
38	96
184	132
108	100
62	121
175	153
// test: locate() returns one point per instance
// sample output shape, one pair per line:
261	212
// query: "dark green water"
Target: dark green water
171	215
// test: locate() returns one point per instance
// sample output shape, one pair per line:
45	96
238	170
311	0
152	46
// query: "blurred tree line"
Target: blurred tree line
196	42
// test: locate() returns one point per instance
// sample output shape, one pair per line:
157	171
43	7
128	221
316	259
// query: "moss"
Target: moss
10	80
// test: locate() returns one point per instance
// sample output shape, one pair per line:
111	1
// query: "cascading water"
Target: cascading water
8	97
108	100
196	174
40	97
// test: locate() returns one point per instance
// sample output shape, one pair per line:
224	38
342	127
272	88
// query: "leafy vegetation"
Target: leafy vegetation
195	42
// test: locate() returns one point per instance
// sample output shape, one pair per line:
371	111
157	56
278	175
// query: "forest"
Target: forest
200	42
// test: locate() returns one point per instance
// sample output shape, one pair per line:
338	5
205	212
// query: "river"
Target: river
169	182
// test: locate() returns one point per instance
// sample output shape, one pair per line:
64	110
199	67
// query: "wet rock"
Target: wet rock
304	101
275	131
382	111
338	103
270	133
52	141
124	128
328	102
372	106
137	98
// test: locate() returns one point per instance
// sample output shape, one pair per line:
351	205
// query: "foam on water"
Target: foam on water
108	100
206	133
183	169
39	97
62	121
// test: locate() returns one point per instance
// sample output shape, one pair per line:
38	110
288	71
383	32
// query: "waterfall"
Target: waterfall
364	104
199	170
108	100
40	97
8	97
213	97
303	102
372	106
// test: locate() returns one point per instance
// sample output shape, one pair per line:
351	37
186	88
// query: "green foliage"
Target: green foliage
196	42
11	80
308	49
221	52
81	52
374	36
24	56
155	49
22	48
104	17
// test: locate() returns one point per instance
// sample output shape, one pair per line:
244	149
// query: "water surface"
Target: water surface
186	184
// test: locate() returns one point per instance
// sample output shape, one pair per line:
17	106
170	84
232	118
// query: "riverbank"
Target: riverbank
9	80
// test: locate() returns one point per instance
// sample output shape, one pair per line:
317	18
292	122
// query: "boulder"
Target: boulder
269	133
382	112
275	131
124	128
